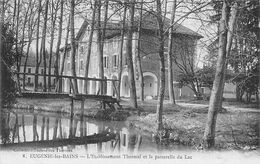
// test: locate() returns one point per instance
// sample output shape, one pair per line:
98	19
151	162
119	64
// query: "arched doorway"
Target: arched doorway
150	84
125	91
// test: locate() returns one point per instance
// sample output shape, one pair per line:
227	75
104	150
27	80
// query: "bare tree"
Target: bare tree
54	10
209	134
133	99
64	55
73	46
162	64
38	56
120	58
139	62
99	47
170	53
56	66
29	37
43	45
18	54
89	45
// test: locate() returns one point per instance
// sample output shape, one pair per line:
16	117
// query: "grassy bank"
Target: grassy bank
185	125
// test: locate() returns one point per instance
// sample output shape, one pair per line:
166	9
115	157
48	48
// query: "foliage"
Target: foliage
248	83
8	59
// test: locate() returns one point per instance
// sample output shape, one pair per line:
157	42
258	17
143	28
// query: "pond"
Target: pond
25	130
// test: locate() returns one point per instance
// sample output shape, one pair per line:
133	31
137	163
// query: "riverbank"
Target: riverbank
183	123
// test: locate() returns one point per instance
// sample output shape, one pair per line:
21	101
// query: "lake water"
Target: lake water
36	128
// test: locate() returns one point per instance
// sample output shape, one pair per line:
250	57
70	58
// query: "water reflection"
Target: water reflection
22	130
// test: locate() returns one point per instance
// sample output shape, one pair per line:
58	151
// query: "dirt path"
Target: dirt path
229	108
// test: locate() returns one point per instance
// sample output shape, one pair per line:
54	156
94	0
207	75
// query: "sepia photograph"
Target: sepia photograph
130	81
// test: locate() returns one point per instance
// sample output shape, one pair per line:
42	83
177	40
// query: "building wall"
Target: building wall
29	79
149	58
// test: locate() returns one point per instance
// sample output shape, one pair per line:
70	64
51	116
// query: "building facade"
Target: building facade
30	68
184	47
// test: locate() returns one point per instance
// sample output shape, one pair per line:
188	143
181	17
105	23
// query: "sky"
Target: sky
193	22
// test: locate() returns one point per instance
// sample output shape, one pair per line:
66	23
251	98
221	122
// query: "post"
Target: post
81	117
71	117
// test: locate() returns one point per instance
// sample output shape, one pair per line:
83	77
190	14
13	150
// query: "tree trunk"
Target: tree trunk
133	99
162	65
120	68
37	62
170	55
26	56
31	26
209	134
99	48
229	45
43	49
18	62
89	47
64	55
56	66
102	46
53	21
139	62
73	46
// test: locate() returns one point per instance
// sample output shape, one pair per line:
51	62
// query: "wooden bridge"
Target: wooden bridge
106	100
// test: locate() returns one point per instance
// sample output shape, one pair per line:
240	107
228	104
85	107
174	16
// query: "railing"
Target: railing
59	78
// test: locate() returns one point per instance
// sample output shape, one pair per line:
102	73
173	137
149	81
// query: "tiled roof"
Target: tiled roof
148	22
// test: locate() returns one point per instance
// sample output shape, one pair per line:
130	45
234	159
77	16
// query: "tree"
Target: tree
64	54
54	11
38	56
8	59
120	58
43	45
139	62
31	26
7	83
56	66
215	98
100	47
89	45
73	46
170	60
159	109
129	37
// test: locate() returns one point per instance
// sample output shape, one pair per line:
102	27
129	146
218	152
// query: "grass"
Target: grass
234	130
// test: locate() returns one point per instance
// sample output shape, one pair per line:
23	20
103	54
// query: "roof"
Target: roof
148	23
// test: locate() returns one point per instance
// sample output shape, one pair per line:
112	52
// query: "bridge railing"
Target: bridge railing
59	84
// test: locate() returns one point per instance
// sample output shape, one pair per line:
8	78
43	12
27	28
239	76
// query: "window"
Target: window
68	54
29	80
81	49
124	140
42	71
81	65
115	60
115	43
165	49
105	61
125	59
29	70
68	67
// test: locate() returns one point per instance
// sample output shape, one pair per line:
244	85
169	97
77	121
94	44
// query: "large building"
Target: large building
184	49
31	67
